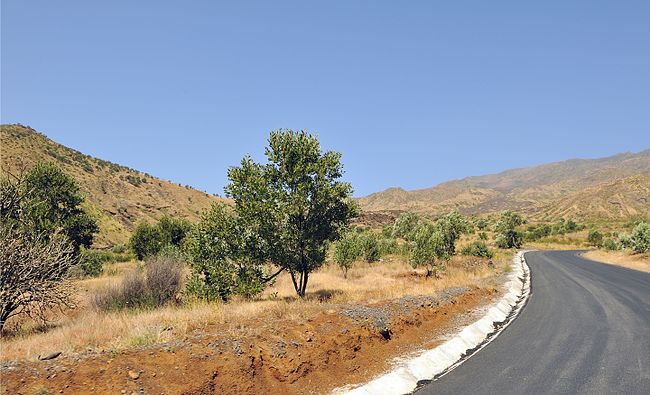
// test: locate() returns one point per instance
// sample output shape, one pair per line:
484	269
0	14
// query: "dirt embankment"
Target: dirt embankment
339	344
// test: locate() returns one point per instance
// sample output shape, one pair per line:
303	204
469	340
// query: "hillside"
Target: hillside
609	188
119	197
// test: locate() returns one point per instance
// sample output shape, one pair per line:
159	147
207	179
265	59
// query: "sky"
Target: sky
411	93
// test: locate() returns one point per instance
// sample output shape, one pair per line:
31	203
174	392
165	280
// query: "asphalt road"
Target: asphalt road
585	330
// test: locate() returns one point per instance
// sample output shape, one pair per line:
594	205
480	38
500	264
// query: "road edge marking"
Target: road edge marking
433	364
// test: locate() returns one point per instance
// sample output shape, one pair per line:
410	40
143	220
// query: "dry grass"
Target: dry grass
637	261
86	329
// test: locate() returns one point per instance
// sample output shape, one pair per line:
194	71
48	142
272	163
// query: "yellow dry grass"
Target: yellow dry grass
639	262
86	329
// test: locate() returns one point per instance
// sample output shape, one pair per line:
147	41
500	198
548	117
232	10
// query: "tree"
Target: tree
53	205
295	203
346	251
33	263
427	247
226	257
405	225
146	240
506	229
595	238
451	226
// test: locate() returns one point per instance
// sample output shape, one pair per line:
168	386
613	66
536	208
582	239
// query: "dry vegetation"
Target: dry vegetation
86	329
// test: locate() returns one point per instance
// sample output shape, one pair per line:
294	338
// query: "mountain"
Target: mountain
611	188
119	197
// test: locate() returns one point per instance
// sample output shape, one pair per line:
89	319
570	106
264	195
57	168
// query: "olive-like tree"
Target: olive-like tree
296	202
507	235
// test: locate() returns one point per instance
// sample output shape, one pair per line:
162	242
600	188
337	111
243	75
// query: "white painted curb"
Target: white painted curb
432	364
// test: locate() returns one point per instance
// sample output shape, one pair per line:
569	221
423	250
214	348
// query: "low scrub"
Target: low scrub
157	284
477	248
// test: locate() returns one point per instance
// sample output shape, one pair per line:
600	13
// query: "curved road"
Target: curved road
585	329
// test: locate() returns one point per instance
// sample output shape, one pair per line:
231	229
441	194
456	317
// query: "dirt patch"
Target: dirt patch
336	345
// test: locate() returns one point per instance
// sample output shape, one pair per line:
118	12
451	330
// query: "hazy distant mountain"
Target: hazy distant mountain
118	196
611	188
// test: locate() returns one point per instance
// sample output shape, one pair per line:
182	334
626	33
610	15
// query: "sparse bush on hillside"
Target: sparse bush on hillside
481	223
595	238
482	236
477	248
506	228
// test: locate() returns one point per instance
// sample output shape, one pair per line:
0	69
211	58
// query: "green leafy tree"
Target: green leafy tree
346	251
405	225
428	249
146	240
172	230
451	226
370	247
54	205
295	203
506	228
227	258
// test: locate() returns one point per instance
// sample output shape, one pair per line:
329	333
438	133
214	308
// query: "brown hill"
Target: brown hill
119	197
545	189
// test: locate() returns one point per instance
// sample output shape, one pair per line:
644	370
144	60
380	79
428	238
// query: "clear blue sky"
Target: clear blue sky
412	93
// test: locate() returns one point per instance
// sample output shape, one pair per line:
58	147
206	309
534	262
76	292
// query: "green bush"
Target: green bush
146	241
506	228
370	247
640	237
482	236
428	248
595	238
610	245
91	262
479	249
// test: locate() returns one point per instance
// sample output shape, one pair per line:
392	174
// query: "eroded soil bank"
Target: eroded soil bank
339	344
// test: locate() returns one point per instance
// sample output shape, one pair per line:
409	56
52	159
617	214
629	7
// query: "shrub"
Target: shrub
158	284
450	227
640	237
91	262
164	275
506	229
370	247
388	246
479	249
481	223
595	238
482	236
610	245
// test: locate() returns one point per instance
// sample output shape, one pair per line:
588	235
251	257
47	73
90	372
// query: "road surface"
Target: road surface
585	330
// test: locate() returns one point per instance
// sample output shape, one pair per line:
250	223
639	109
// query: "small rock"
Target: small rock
50	356
134	375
